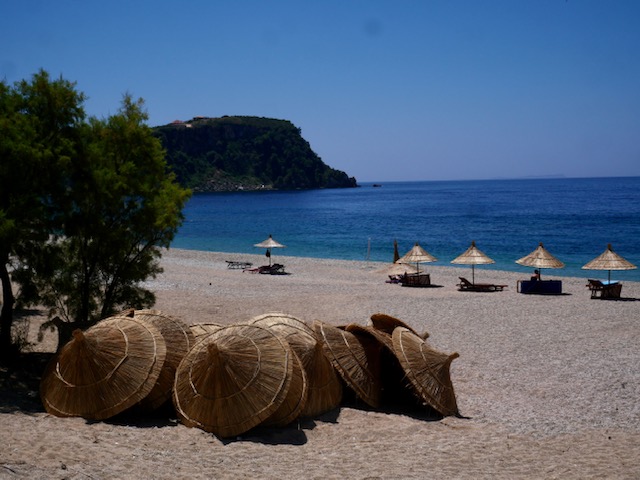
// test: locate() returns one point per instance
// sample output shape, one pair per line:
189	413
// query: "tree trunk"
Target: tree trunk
6	314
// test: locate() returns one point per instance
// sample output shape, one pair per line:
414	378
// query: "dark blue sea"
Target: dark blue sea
575	219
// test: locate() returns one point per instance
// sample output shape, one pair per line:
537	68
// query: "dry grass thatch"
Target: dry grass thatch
233	379
609	260
296	398
356	359
200	330
178	339
427	369
387	323
540	258
324	386
104	370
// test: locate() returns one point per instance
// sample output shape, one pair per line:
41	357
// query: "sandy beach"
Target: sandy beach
549	385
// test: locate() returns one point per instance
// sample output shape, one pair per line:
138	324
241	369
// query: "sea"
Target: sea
574	218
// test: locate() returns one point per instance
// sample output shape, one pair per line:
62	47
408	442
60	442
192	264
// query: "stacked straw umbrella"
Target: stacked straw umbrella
104	370
228	379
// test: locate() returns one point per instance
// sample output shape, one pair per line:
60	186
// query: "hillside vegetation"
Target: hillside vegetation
245	153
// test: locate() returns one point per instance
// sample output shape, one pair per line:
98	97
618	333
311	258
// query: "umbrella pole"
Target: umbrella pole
473	274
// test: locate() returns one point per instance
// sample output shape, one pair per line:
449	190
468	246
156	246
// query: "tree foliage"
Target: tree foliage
38	121
83	242
224	153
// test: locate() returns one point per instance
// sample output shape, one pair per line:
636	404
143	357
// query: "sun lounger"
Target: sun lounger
600	289
466	286
234	265
416	280
275	269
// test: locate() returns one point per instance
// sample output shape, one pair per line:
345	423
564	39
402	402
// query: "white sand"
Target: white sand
550	385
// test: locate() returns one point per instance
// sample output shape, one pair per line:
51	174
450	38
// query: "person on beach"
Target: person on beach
536	276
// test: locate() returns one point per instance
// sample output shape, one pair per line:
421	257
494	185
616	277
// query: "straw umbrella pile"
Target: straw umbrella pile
229	379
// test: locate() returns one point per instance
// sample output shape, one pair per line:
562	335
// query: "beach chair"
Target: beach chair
276	269
261	269
601	289
466	286
416	280
235	265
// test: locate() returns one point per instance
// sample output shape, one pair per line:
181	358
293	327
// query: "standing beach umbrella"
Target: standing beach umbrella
417	255
269	243
540	258
473	256
609	260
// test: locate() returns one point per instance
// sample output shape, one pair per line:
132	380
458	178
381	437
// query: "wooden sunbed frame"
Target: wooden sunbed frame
602	290
466	286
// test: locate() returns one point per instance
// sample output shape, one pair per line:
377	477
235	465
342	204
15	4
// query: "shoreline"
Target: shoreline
570	272
549	385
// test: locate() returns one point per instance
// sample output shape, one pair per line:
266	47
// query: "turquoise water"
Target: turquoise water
574	218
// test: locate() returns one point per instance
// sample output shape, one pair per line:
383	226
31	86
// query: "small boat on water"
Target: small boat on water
375	185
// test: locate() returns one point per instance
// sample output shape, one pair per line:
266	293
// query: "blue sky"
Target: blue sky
384	90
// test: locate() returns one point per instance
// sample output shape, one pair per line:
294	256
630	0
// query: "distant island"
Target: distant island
245	153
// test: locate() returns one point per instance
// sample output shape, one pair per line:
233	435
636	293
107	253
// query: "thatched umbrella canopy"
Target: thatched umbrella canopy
179	340
387	323
394	389
200	330
540	258
324	386
293	404
269	244
233	379
356	362
417	255
427	369
104	370
397	269
609	260
473	256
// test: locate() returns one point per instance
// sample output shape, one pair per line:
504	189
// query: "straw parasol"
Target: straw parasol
269	243
200	330
609	260
296	398
473	256
394	390
540	258
387	323
324	386
104	370
233	379
417	255
355	361
427	370
178	339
